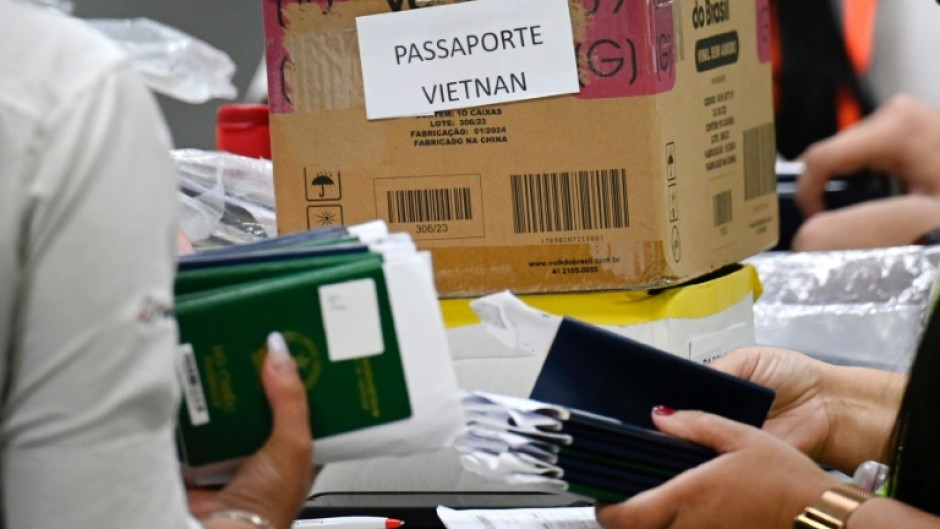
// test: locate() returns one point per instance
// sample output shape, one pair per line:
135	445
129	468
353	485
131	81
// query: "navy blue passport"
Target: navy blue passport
323	235
598	371
214	259
629	443
610	384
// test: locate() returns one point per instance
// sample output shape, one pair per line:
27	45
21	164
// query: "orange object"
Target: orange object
859	27
243	129
859	22
859	37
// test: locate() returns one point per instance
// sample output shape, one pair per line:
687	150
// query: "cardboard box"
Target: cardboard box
660	170
700	321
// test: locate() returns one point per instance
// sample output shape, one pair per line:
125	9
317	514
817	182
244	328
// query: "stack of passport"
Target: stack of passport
587	426
359	312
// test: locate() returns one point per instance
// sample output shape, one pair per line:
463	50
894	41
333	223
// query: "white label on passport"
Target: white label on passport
463	55
193	394
351	320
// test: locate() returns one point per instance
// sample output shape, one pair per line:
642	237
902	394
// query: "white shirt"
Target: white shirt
87	235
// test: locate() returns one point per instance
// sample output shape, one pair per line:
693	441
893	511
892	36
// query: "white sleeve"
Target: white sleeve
91	401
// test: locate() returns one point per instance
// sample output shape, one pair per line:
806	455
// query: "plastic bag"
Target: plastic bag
854	307
64	6
171	62
226	198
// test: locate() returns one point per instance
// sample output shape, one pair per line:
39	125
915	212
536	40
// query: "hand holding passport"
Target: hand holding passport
587	427
360	316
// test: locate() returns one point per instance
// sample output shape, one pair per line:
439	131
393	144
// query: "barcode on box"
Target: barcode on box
760	177
721	208
429	205
570	201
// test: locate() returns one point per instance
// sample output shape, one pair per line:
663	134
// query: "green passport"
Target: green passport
338	325
201	279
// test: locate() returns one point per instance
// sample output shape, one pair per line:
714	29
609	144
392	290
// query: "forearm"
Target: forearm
863	404
882	513
865	225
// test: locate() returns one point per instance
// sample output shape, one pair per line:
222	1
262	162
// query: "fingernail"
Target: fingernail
277	348
663	411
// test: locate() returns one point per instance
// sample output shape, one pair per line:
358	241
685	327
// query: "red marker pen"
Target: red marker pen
349	522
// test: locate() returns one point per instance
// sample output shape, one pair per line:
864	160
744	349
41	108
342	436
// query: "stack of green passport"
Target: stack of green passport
360	316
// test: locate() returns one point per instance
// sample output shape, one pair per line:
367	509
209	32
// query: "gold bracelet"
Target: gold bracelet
244	516
833	508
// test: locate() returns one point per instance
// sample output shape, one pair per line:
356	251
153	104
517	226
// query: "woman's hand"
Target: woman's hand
757	480
799	415
901	138
275	480
840	416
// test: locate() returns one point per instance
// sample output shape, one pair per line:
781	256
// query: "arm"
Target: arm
863	404
894	221
756	481
89	408
275	481
840	416
881	513
901	138
89	392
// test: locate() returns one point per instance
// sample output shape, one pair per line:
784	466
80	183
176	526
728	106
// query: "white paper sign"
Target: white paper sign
464	55
707	348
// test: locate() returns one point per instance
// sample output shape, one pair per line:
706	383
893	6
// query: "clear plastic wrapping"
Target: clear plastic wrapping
226	198
65	6
858	307
170	61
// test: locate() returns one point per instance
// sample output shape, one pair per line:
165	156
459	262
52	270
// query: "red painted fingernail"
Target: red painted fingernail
664	411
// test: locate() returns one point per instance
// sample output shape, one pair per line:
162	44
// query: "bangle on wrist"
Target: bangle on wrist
871	476
833	509
244	516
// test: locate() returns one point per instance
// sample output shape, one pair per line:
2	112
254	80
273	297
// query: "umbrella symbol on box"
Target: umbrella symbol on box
323	180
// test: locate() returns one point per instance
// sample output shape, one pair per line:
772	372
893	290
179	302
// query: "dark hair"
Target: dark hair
814	66
915	465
